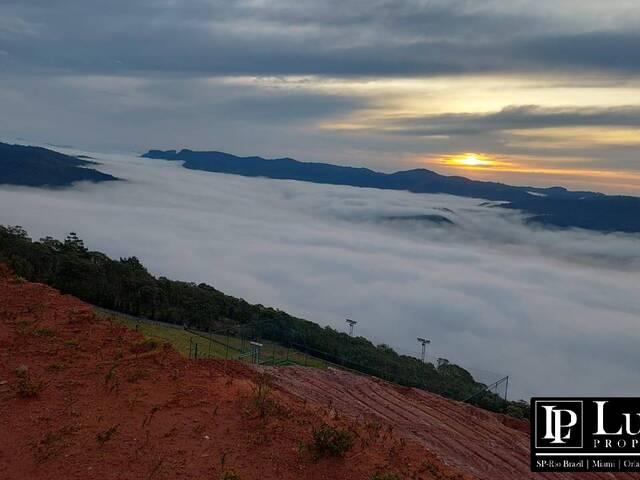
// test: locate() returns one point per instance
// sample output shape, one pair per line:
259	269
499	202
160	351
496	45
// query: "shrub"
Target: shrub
262	399
106	435
330	441
27	387
519	409
51	445
44	332
385	476
145	346
132	376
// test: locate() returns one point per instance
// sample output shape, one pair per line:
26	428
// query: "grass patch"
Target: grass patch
220	346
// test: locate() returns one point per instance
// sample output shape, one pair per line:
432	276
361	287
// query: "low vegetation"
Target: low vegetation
126	286
262	399
385	476
27	386
229	475
145	346
329	441
106	435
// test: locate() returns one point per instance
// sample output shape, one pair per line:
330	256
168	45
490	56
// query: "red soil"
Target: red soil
82	397
485	444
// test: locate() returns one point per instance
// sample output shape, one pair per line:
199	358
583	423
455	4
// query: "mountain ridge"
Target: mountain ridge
553	206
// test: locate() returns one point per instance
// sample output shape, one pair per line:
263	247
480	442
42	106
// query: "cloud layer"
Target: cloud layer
555	310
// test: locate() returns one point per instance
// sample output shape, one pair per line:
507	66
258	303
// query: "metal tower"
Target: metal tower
351	325
424	342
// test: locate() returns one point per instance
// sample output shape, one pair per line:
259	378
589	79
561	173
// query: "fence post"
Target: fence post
226	352
195	355
190	345
209	341
273	355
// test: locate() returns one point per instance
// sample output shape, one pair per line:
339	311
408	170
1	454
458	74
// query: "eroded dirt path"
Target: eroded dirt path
487	445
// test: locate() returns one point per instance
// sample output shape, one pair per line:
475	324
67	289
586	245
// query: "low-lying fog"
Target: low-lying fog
556	310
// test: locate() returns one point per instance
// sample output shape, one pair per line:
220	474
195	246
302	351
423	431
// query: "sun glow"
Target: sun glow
470	160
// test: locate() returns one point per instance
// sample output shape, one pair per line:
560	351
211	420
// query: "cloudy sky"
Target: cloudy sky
542	92
555	310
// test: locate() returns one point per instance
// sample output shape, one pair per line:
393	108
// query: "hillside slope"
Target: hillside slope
82	397
126	286
38	167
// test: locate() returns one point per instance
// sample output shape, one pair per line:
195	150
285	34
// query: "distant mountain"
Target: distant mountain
38	167
554	206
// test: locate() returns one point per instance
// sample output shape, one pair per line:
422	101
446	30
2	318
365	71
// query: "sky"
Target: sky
556	310
531	92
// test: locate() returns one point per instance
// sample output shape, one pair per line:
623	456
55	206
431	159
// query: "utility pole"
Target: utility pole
351	325
424	342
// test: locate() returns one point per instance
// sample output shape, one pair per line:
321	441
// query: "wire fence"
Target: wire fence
248	343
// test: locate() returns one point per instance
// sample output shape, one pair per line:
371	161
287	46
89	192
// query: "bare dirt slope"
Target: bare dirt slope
487	445
82	397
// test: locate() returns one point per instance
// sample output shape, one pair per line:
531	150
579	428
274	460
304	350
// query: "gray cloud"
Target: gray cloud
596	50
350	37
518	117
555	310
139	112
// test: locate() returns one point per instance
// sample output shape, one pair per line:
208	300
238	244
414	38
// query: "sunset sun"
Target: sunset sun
470	160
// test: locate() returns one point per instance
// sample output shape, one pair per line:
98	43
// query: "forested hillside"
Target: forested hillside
126	286
38	167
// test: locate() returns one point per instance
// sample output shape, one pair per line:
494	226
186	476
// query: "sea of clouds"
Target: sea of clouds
558	311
